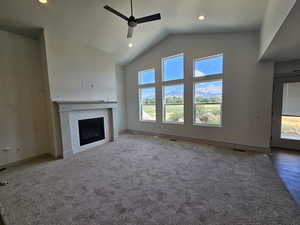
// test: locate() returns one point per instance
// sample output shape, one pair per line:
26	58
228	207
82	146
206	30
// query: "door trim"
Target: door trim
276	140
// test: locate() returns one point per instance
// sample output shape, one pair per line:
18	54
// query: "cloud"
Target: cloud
208	90
199	73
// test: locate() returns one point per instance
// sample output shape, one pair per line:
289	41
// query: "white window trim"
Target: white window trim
171	83
144	86
208	78
140	108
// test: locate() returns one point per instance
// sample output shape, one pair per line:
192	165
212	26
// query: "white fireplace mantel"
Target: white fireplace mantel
71	111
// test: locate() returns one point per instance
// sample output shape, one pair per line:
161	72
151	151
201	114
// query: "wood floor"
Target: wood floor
287	164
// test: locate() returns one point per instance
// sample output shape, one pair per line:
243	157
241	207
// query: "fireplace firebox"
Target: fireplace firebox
91	130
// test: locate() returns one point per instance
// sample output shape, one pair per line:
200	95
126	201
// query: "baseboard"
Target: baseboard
16	163
124	131
209	142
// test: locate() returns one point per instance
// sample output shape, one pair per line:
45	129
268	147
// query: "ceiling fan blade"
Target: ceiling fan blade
130	32
149	18
116	12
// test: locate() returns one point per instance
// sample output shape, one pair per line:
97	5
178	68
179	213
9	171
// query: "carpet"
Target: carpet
146	180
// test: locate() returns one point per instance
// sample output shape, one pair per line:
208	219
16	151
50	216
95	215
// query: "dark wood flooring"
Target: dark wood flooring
287	164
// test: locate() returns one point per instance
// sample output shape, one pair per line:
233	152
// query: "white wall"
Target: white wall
247	88
121	98
276	13
23	120
79	72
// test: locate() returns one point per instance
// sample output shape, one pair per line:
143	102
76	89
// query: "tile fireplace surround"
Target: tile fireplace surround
71	112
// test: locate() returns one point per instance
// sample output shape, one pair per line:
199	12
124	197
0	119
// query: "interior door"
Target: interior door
286	113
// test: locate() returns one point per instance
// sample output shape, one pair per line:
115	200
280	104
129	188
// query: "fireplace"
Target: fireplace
86	125
91	130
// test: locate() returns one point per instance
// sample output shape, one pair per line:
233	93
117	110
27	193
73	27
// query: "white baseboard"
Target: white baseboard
203	141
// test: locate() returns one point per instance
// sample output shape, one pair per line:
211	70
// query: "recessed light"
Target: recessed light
43	1
201	17
130	45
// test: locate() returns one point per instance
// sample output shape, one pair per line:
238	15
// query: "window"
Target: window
208	66
208	102
147	77
173	89
208	90
173	68
147	104
173	110
147	99
290	119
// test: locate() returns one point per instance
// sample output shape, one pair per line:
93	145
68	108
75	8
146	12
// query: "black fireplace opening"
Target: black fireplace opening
91	130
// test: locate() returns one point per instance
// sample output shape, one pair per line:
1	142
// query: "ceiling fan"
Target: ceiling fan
132	21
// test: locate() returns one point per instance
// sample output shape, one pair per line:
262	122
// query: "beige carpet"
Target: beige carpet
147	180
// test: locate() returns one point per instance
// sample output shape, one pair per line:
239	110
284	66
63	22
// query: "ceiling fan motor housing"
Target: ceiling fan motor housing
132	22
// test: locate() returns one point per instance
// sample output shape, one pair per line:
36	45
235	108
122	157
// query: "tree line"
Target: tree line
179	100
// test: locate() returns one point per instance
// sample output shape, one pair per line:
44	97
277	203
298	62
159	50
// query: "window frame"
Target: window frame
146	70
164	121
162	67
207	57
203	79
145	86
172	83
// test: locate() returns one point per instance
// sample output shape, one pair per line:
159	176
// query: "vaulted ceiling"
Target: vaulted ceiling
86	20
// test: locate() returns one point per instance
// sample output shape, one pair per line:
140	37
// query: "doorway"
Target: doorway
286	112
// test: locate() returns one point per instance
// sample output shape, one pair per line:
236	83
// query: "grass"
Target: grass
149	112
174	113
208	114
290	126
205	114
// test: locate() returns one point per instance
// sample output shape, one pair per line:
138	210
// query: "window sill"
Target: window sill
148	121
173	123
207	125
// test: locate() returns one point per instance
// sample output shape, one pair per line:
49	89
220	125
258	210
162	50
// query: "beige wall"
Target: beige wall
247	88
78	72
23	120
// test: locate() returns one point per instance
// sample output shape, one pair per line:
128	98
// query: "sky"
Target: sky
209	89
174	90
209	66
173	69
147	93
147	77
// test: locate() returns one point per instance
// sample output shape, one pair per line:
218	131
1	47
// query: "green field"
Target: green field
290	127
205	114
149	112
208	114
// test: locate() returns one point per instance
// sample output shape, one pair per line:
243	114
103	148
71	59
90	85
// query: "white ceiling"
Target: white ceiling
286	44
88	22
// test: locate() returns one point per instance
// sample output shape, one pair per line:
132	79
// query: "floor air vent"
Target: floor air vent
239	150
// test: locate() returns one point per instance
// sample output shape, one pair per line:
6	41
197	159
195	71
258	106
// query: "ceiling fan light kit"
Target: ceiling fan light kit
132	21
